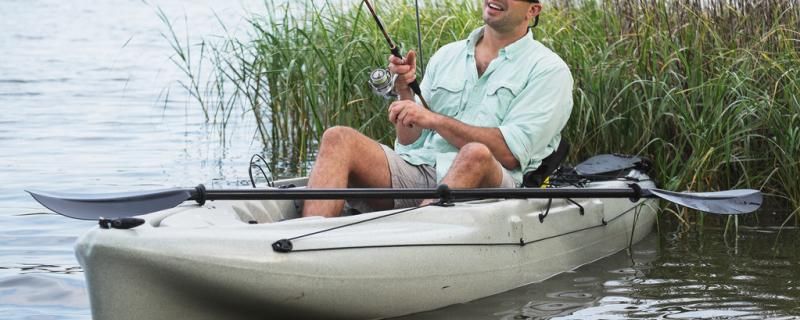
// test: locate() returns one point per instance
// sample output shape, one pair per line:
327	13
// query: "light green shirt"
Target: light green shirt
526	92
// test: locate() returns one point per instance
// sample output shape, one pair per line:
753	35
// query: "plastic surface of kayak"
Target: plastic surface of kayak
217	262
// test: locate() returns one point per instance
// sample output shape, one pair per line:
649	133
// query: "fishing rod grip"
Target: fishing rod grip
414	85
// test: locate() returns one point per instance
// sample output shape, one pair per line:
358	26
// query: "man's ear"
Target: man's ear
534	10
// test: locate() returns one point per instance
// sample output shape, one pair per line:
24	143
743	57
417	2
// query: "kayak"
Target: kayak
255	259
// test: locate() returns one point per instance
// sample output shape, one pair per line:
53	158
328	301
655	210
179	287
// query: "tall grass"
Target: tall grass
708	89
710	92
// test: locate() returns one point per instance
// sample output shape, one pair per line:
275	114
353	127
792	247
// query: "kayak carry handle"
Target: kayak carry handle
120	223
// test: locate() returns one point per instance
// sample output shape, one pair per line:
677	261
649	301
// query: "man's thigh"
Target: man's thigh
403	175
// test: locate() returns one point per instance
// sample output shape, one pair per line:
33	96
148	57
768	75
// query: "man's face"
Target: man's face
507	15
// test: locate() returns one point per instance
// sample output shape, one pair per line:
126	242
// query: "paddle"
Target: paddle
128	204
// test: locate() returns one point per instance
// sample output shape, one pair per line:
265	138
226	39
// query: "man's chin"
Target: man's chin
493	23
491	20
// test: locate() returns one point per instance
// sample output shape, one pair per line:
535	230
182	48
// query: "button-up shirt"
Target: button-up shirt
526	92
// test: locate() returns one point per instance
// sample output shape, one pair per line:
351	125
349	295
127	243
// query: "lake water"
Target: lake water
89	102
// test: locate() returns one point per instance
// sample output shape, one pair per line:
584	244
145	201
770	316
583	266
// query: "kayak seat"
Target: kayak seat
535	179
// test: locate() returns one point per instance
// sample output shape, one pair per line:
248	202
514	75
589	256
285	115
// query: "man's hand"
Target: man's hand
408	113
406	71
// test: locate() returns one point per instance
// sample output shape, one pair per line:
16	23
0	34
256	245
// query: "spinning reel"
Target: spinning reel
382	83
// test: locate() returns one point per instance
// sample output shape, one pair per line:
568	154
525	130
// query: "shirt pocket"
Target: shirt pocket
447	94
497	103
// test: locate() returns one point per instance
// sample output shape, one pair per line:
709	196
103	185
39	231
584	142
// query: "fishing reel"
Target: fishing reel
382	83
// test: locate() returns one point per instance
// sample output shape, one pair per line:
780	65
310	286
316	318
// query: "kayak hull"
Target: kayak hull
208	262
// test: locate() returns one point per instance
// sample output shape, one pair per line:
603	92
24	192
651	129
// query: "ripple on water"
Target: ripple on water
708	314
571	295
29	290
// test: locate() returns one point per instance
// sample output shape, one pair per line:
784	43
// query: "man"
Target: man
498	100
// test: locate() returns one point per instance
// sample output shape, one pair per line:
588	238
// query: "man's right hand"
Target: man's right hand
406	71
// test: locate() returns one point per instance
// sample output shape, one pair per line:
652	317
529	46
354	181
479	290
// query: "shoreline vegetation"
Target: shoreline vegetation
707	89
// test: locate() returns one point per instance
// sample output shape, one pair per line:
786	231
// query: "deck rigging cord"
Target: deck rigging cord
287	246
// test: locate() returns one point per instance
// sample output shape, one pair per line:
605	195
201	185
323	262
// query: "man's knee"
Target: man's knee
337	136
476	152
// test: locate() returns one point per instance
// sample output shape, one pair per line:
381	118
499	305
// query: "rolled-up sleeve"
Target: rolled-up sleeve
537	115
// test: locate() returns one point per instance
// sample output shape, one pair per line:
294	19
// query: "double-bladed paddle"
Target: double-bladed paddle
128	204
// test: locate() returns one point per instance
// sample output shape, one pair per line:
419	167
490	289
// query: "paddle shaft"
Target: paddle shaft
381	193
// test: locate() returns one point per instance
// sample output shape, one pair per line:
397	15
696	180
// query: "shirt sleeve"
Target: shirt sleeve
538	114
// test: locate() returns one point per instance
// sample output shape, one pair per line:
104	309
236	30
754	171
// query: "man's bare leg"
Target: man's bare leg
347	158
473	167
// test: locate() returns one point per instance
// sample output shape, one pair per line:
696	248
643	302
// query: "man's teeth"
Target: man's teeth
494	6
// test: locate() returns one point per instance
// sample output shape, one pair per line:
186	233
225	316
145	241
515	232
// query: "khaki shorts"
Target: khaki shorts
405	175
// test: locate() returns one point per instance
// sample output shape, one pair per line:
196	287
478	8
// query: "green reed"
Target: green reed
709	92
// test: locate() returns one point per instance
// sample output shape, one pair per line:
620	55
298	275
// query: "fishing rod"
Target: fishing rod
380	78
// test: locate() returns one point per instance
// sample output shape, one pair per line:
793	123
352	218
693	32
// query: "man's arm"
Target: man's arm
405	113
458	134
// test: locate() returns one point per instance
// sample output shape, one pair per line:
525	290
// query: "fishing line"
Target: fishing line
633	227
419	39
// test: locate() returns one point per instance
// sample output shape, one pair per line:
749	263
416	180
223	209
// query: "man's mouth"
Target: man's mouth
495	6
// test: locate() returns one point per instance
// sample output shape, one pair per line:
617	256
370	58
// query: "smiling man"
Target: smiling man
499	100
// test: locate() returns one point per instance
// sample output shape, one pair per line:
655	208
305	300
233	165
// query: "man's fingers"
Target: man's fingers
401	116
396	60
399	68
408	122
411	58
393	112
407	78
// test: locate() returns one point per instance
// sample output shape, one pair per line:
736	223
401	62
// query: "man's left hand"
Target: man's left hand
409	113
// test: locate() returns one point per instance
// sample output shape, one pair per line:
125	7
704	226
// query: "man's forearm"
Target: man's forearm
458	134
407	135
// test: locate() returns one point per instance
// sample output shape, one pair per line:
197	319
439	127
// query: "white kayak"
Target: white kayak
216	261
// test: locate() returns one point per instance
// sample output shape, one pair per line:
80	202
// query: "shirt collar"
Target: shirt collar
516	48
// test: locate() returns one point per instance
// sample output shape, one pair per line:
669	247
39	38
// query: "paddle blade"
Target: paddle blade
721	202
111	205
606	163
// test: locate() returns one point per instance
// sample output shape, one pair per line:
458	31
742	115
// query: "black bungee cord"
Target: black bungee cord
254	164
286	245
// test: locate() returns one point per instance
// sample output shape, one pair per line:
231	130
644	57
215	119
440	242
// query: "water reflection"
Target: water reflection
89	102
672	276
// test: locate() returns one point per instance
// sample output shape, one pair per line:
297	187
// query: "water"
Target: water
89	102
672	276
